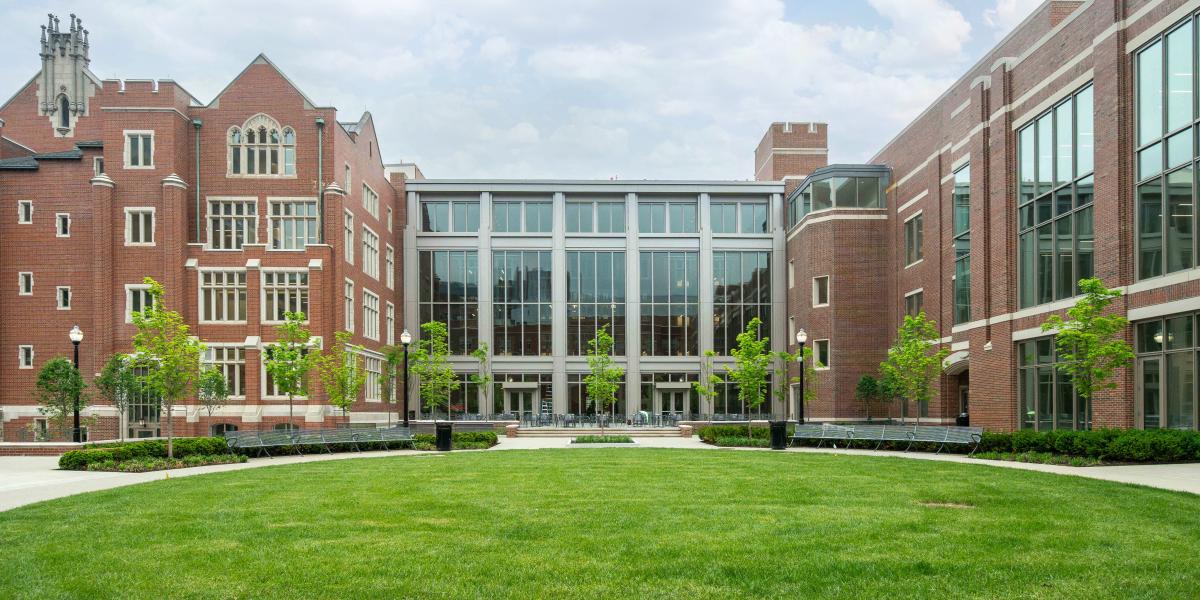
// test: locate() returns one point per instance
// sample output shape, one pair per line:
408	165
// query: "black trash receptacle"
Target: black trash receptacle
778	435
445	433
963	420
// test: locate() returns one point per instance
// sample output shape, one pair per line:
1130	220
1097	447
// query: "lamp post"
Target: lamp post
801	339
405	340
76	335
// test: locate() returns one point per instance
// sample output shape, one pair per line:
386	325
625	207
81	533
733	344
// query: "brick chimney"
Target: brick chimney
790	151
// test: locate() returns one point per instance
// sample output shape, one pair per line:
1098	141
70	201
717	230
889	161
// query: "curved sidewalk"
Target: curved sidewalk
28	479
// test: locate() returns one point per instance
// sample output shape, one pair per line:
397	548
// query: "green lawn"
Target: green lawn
609	523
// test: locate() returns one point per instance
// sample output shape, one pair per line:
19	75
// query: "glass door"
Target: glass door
676	403
1150	392
520	402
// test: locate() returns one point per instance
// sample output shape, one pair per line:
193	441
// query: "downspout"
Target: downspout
196	124
320	174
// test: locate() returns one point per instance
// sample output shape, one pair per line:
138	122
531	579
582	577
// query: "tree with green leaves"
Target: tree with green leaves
915	359
1090	343
751	366
604	377
432	365
58	388
709	380
290	360
484	378
166	356
342	374
783	383
393	361
213	390
873	390
118	385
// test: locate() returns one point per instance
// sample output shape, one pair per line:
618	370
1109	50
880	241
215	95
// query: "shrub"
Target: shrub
603	439
143	464
78	460
709	433
158	448
742	441
461	440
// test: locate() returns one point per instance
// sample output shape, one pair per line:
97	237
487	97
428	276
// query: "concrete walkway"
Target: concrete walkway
28	479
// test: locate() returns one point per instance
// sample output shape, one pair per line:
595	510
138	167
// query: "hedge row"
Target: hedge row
461	440
141	465
78	460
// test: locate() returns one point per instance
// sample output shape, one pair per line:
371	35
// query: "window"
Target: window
448	291
231	362
370	257
579	404
670	303
791	274
521	297
821	354
63	294
595	298
261	148
97	165
730	216
346	180
914	303
24	212
742	292
348	235
220	429
293	224
820	291
596	216
232	224
373	371
667	217
914	237
835	192
370	315
389	219
370	201
517	216
390	324
139	149
137	299
284	292
458	216
25	283
1055	243
62	225
139	226
223	296
348	302
390	265
25	357
1166	369
1047	398
962	245
269	389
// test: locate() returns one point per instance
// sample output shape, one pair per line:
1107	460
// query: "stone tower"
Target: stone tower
65	83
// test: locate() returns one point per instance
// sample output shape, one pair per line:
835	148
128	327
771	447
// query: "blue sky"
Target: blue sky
633	89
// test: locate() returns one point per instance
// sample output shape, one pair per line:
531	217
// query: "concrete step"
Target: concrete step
578	431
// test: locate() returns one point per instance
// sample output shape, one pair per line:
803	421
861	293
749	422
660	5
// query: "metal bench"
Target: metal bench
396	434
260	441
822	432
879	434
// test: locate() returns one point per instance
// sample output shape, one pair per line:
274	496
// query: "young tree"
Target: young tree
291	359
167	357
709	380
432	366
605	377
751	365
783	383
118	385
483	379
915	358
393	360
58	388
212	390
1090	344
342	374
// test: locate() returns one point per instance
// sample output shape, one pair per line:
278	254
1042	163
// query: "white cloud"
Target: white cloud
1007	14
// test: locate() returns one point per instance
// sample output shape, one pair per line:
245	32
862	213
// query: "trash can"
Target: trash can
963	420
445	432
778	435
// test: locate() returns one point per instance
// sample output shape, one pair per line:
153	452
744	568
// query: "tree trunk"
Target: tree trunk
291	417
170	434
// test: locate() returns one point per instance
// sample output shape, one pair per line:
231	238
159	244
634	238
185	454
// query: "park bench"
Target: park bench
260	441
912	434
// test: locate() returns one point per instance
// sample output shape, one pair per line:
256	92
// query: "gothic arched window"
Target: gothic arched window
262	148
64	110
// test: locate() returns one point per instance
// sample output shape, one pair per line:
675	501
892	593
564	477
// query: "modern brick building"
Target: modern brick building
1067	151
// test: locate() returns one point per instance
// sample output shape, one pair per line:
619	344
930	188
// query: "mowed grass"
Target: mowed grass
609	523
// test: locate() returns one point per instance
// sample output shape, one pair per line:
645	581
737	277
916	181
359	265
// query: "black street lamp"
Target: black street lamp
76	335
801	338
405	340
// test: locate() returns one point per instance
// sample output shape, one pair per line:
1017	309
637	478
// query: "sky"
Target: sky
597	89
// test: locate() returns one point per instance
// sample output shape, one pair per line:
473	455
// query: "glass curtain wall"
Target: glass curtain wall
521	303
1047	397
742	291
962	245
1166	373
670	303
595	298
449	293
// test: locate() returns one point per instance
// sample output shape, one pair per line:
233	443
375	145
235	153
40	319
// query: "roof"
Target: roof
30	163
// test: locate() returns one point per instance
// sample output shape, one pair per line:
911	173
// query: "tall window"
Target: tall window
348	235
139	226
63	292
820	291
370	200
1047	396
742	292
294	224
231	361
232	224
459	216
25	283
222	296
25	212
595	298
448	282
515	216
729	216
390	324
260	147
139	149
370	252
62	224
390	265
1166	373
577	397
667	217
670	289
914	239
348	304
373	368
283	292
370	315
521	296
1055	246
962	245
914	303
596	216
137	299
25	357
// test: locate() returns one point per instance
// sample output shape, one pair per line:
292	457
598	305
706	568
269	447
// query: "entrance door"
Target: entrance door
963	403
675	402
1150	392
520	402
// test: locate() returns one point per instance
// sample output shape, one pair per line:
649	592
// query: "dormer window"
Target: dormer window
261	148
